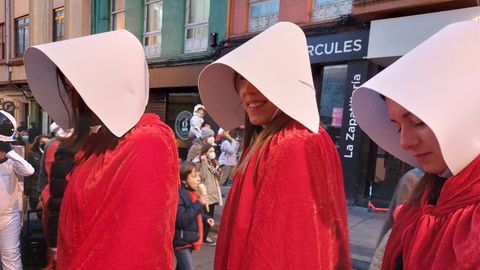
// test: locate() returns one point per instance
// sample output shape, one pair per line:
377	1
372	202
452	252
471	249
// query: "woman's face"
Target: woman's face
417	138
259	109
44	140
193	179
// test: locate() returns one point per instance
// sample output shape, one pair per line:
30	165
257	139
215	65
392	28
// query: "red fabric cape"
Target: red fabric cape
119	209
293	216
444	236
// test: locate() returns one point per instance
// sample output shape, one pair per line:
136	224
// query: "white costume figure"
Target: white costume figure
196	121
11	165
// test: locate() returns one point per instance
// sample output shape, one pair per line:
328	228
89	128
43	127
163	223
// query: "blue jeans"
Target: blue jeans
184	259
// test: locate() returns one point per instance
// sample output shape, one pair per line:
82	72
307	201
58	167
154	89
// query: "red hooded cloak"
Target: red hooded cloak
441	236
119	208
292	215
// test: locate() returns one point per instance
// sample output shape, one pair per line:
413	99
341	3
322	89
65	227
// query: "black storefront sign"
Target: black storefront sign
338	47
350	136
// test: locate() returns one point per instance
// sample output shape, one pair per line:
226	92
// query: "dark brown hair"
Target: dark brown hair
186	168
36	142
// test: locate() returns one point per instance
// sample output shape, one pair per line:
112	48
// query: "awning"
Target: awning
392	38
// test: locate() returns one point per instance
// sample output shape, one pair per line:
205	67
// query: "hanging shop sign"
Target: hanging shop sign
182	124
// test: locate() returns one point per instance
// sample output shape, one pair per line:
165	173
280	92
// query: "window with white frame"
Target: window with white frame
117	15
152	37
22	35
263	13
196	25
330	9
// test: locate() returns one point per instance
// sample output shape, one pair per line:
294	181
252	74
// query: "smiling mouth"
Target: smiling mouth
255	104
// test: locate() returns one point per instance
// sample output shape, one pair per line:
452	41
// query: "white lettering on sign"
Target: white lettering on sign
335	47
352	122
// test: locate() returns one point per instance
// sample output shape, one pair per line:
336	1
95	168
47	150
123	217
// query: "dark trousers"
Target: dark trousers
184	259
206	226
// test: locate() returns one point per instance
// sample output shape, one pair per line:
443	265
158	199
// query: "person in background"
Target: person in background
12	165
197	120
210	175
31	182
286	208
405	187
191	216
119	207
33	132
48	157
424	109
206	137
228	157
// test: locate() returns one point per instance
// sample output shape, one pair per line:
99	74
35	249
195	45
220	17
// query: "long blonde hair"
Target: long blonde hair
256	138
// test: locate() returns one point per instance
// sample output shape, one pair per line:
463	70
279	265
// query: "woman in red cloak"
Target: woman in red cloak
426	115
286	208
119	207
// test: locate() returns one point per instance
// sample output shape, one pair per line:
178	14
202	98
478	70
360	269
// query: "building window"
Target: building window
2	41
59	24
263	13
152	38
330	9
332	99
22	35
196	25
117	17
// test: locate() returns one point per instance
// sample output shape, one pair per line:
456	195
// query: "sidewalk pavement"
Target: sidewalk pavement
364	227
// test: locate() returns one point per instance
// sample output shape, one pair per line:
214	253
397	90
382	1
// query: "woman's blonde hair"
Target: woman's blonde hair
256	138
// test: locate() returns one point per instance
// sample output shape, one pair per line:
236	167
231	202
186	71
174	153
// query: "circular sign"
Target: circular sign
182	125
8	106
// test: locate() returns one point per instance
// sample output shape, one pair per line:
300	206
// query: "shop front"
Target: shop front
173	94
339	67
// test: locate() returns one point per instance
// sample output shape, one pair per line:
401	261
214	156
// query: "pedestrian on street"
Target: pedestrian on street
118	210
31	182
405	187
207	136
228	156
286	208
12	165
210	175
424	110
191	216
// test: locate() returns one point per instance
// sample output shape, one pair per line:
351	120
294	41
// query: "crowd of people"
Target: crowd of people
114	193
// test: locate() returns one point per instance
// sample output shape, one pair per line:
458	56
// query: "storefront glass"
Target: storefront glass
332	99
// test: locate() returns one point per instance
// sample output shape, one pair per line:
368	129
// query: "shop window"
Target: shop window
59	24
332	99
196	25
22	35
117	16
2	41
263	13
180	102
152	37
330	9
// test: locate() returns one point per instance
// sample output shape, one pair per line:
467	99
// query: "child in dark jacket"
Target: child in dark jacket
190	216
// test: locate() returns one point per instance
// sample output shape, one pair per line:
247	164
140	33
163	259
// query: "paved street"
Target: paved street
364	227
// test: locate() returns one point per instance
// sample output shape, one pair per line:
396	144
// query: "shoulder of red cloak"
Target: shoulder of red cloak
294	152
150	126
